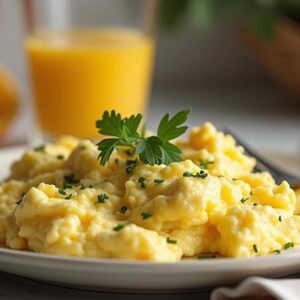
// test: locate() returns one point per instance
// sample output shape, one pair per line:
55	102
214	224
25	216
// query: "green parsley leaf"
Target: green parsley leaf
288	245
101	198
41	148
158	181
205	163
68	197
279	218
146	215
255	248
255	204
119	227
60	156
142	182
106	148
150	150
276	251
170	241
169	128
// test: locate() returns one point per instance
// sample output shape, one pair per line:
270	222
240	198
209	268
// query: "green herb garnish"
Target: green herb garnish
170	241
119	227
243	200
200	174
276	251
68	197
63	192
150	150
288	245
158	181
70	179
146	214
41	148
279	219
60	156
101	198
255	204
142	182
82	186
131	164
116	161
68	185
205	163
255	248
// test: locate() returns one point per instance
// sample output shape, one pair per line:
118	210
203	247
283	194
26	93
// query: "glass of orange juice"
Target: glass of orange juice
86	57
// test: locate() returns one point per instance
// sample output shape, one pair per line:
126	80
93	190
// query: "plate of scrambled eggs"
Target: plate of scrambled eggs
201	220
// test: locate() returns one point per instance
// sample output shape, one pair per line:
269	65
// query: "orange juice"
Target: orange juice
77	75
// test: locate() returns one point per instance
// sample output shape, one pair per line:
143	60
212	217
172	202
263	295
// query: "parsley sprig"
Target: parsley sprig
152	150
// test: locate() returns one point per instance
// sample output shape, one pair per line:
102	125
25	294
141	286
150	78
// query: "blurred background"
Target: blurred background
236	63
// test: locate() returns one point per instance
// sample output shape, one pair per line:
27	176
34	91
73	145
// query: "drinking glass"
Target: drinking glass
85	57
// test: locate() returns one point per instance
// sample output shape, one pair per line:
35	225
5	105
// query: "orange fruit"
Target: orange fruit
8	99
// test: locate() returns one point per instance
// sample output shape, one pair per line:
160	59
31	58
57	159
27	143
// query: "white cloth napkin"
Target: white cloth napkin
260	288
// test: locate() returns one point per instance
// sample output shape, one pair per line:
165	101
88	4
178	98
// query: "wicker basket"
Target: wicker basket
281	55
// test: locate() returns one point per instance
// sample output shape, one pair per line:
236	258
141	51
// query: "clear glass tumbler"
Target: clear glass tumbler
85	57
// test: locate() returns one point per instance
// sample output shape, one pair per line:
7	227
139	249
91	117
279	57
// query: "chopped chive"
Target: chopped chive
204	163
234	179
82	186
68	197
101	198
276	251
251	193
221	176
279	218
206	256
243	200
40	148
288	245
123	209
142	182
60	156
61	191
146	214
68	185
119	227
170	241
255	204
200	174
255	248
158	181
131	164
70	179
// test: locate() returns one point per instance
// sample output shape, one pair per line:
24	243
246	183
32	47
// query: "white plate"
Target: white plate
121	275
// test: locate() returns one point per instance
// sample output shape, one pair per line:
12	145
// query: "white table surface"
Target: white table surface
261	115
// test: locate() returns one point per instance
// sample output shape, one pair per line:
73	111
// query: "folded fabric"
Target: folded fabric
260	288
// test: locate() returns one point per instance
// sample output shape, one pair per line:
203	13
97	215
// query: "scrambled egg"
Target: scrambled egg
60	200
